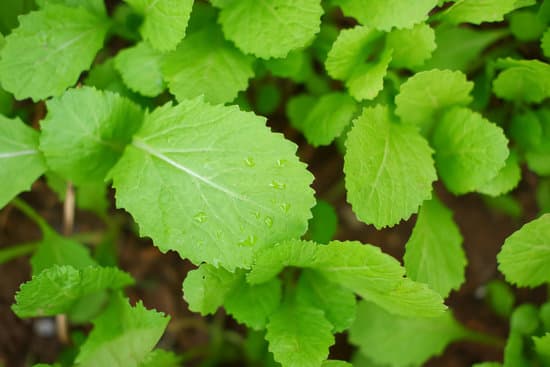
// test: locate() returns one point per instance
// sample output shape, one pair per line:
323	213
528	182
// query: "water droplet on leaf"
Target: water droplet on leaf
285	207
268	221
250	240
277	185
249	162
281	162
200	217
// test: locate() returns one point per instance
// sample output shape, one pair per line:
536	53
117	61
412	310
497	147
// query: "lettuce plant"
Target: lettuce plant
162	102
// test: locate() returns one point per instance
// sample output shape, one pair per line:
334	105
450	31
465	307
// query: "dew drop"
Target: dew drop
249	161
285	207
277	185
200	217
250	240
257	215
268	221
281	162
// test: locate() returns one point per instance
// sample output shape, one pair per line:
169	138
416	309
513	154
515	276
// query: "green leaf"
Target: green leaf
11	10
18	148
85	132
56	289
346	61
94	6
57	250
49	50
380	334
327	118
378	151
459	48
525	319
514	355
469	150
500	297
434	253
387	14
523	80
506	180
123	336
139	67
265	297
205	63
411	47
335	363
545	43
480	11
105	76
525	254
423	96
161	358
542	344
296	66
526	26
324	223
213	183
339	307
165	21
487	364
299	335
363	269
270	29
206	288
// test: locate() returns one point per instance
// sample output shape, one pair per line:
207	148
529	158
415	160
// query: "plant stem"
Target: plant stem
15	251
32	214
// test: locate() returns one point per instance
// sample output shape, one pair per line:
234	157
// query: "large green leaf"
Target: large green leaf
387	14
85	132
123	336
206	64
379	151
56	289
20	161
165	21
49	50
213	183
411	47
399	341
423	96
523	80
469	150
299	335
270	28
479	11
524	256
434	253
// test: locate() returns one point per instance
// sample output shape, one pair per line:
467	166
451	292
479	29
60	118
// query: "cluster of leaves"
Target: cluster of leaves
412	93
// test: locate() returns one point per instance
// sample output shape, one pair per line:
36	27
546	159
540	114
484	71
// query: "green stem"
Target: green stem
32	214
484	338
15	251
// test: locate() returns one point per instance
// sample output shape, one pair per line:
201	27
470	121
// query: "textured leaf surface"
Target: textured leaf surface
367	80
523	80
205	288
299	336
161	358
96	6
434	253
123	336
57	288
479	11
205	63
411	47
363	269
524	256
339	308
165	21
139	67
85	132
545	43
213	183
506	179
427	93
18	148
469	150
380	334
387	14
253	304
57	250
381	152
270	28
49	50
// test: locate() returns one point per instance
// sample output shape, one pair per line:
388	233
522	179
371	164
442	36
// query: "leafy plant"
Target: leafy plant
161	102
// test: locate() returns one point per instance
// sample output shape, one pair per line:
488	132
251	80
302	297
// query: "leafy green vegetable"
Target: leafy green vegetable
164	22
206	50
479	11
161	358
56	289
18	149
525	253
270	29
49	50
324	223
122	335
500	297
507	178
416	339
523	80
189	156
526	26
411	47
434	253
86	131
379	150
469	150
